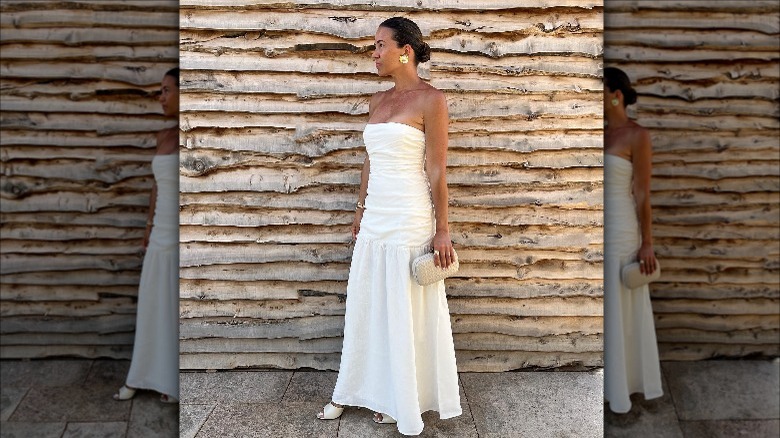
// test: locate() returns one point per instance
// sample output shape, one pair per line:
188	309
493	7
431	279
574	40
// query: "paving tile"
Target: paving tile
654	418
36	429
536	404
191	418
9	400
311	386
149	417
731	429
71	403
108	372
359	423
114	429
725	389
48	372
234	386
271	420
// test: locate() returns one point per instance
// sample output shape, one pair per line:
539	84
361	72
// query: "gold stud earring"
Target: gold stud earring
615	102
404	58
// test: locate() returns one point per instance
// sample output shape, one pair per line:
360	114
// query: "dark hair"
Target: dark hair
616	79
406	32
174	73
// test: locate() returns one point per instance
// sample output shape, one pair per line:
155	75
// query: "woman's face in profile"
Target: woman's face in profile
169	96
386	52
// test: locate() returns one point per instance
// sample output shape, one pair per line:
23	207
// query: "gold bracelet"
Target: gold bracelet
360	206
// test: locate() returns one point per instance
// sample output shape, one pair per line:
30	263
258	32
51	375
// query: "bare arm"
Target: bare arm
150	215
361	197
642	158
436	121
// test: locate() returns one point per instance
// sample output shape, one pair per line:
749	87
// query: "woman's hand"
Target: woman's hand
443	254
646	258
356	223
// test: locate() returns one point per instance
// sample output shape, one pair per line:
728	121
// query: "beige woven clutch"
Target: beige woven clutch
425	272
633	278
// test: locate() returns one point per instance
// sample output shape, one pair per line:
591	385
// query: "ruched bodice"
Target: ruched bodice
621	226
398	202
166	210
395	148
618	175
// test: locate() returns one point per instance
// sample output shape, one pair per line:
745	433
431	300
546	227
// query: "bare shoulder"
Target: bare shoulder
641	148
640	135
433	99
433	95
375	100
377	97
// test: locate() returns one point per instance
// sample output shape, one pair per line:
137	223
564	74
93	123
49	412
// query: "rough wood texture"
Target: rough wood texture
707	74
274	99
79	114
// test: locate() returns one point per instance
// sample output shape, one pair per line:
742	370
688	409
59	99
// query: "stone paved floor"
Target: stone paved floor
285	403
706	399
72	398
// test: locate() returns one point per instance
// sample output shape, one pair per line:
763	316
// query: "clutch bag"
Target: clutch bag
425	272
633	278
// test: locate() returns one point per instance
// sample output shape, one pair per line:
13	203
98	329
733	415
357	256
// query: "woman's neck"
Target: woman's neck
406	79
616	119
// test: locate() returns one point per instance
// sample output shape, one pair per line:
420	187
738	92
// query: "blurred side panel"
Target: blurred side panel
79	114
708	78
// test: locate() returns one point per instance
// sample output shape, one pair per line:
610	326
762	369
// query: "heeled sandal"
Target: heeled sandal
330	412
125	393
386	419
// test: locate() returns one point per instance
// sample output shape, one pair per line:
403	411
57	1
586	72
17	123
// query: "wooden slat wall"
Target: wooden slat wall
274	99
708	75
79	113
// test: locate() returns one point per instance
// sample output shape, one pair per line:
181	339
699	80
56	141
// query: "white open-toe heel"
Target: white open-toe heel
386	419
125	393
330	412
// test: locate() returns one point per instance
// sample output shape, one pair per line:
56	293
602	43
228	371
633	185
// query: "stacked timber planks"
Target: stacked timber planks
708	75
79	113
274	99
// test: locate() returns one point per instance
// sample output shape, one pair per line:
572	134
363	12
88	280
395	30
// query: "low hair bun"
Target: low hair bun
629	97
423	54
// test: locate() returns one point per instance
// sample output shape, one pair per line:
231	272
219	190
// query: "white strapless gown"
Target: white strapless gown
155	363
398	355
630	350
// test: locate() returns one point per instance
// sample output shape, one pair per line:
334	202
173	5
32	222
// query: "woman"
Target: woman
398	357
155	363
630	351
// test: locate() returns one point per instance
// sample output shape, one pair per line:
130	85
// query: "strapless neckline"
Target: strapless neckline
395	123
619	157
